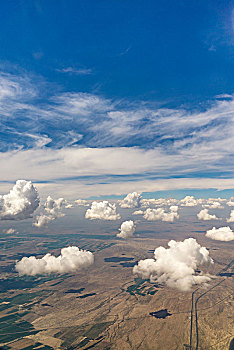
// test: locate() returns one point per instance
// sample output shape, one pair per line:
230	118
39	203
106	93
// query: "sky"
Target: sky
101	98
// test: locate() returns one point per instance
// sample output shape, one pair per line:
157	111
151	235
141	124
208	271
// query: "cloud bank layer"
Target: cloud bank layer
70	260
20	202
176	265
103	211
221	234
127	229
154	142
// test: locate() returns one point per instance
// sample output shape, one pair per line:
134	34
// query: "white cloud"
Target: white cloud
221	234
188	201
195	138
69	189
52	211
43	220
132	200
52	206
204	215
82	202
20	202
176	265
230	203
10	231
70	260
138	212
158	202
103	211
214	203
231	219
127	229
160	214
77	71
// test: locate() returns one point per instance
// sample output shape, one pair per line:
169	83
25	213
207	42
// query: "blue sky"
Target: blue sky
104	97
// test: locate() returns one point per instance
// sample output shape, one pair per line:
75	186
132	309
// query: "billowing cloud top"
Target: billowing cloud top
221	234
20	202
52	205
204	215
127	229
176	265
70	260
52	210
188	201
103	211
132	200
160	214
231	219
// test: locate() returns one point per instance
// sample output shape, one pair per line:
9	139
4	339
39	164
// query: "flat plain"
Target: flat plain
106	306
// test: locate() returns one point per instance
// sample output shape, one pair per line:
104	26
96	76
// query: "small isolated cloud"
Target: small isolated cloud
160	214
230	203
77	71
70	260
176	265
127	229
188	201
138	212
204	215
132	200
10	231
221	234
231	219
52	211
20	202
82	202
103	211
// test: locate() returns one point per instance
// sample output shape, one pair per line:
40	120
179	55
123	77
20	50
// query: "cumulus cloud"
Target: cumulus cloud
158	202
10	231
214	203
70	260
230	203
231	219
111	124
132	200
221	234
188	201
52	211
127	229
204	215
20	202
103	211
138	212
43	220
176	265
160	214
82	202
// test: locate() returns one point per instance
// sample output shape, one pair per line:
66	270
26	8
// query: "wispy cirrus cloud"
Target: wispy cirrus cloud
57	136
76	71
